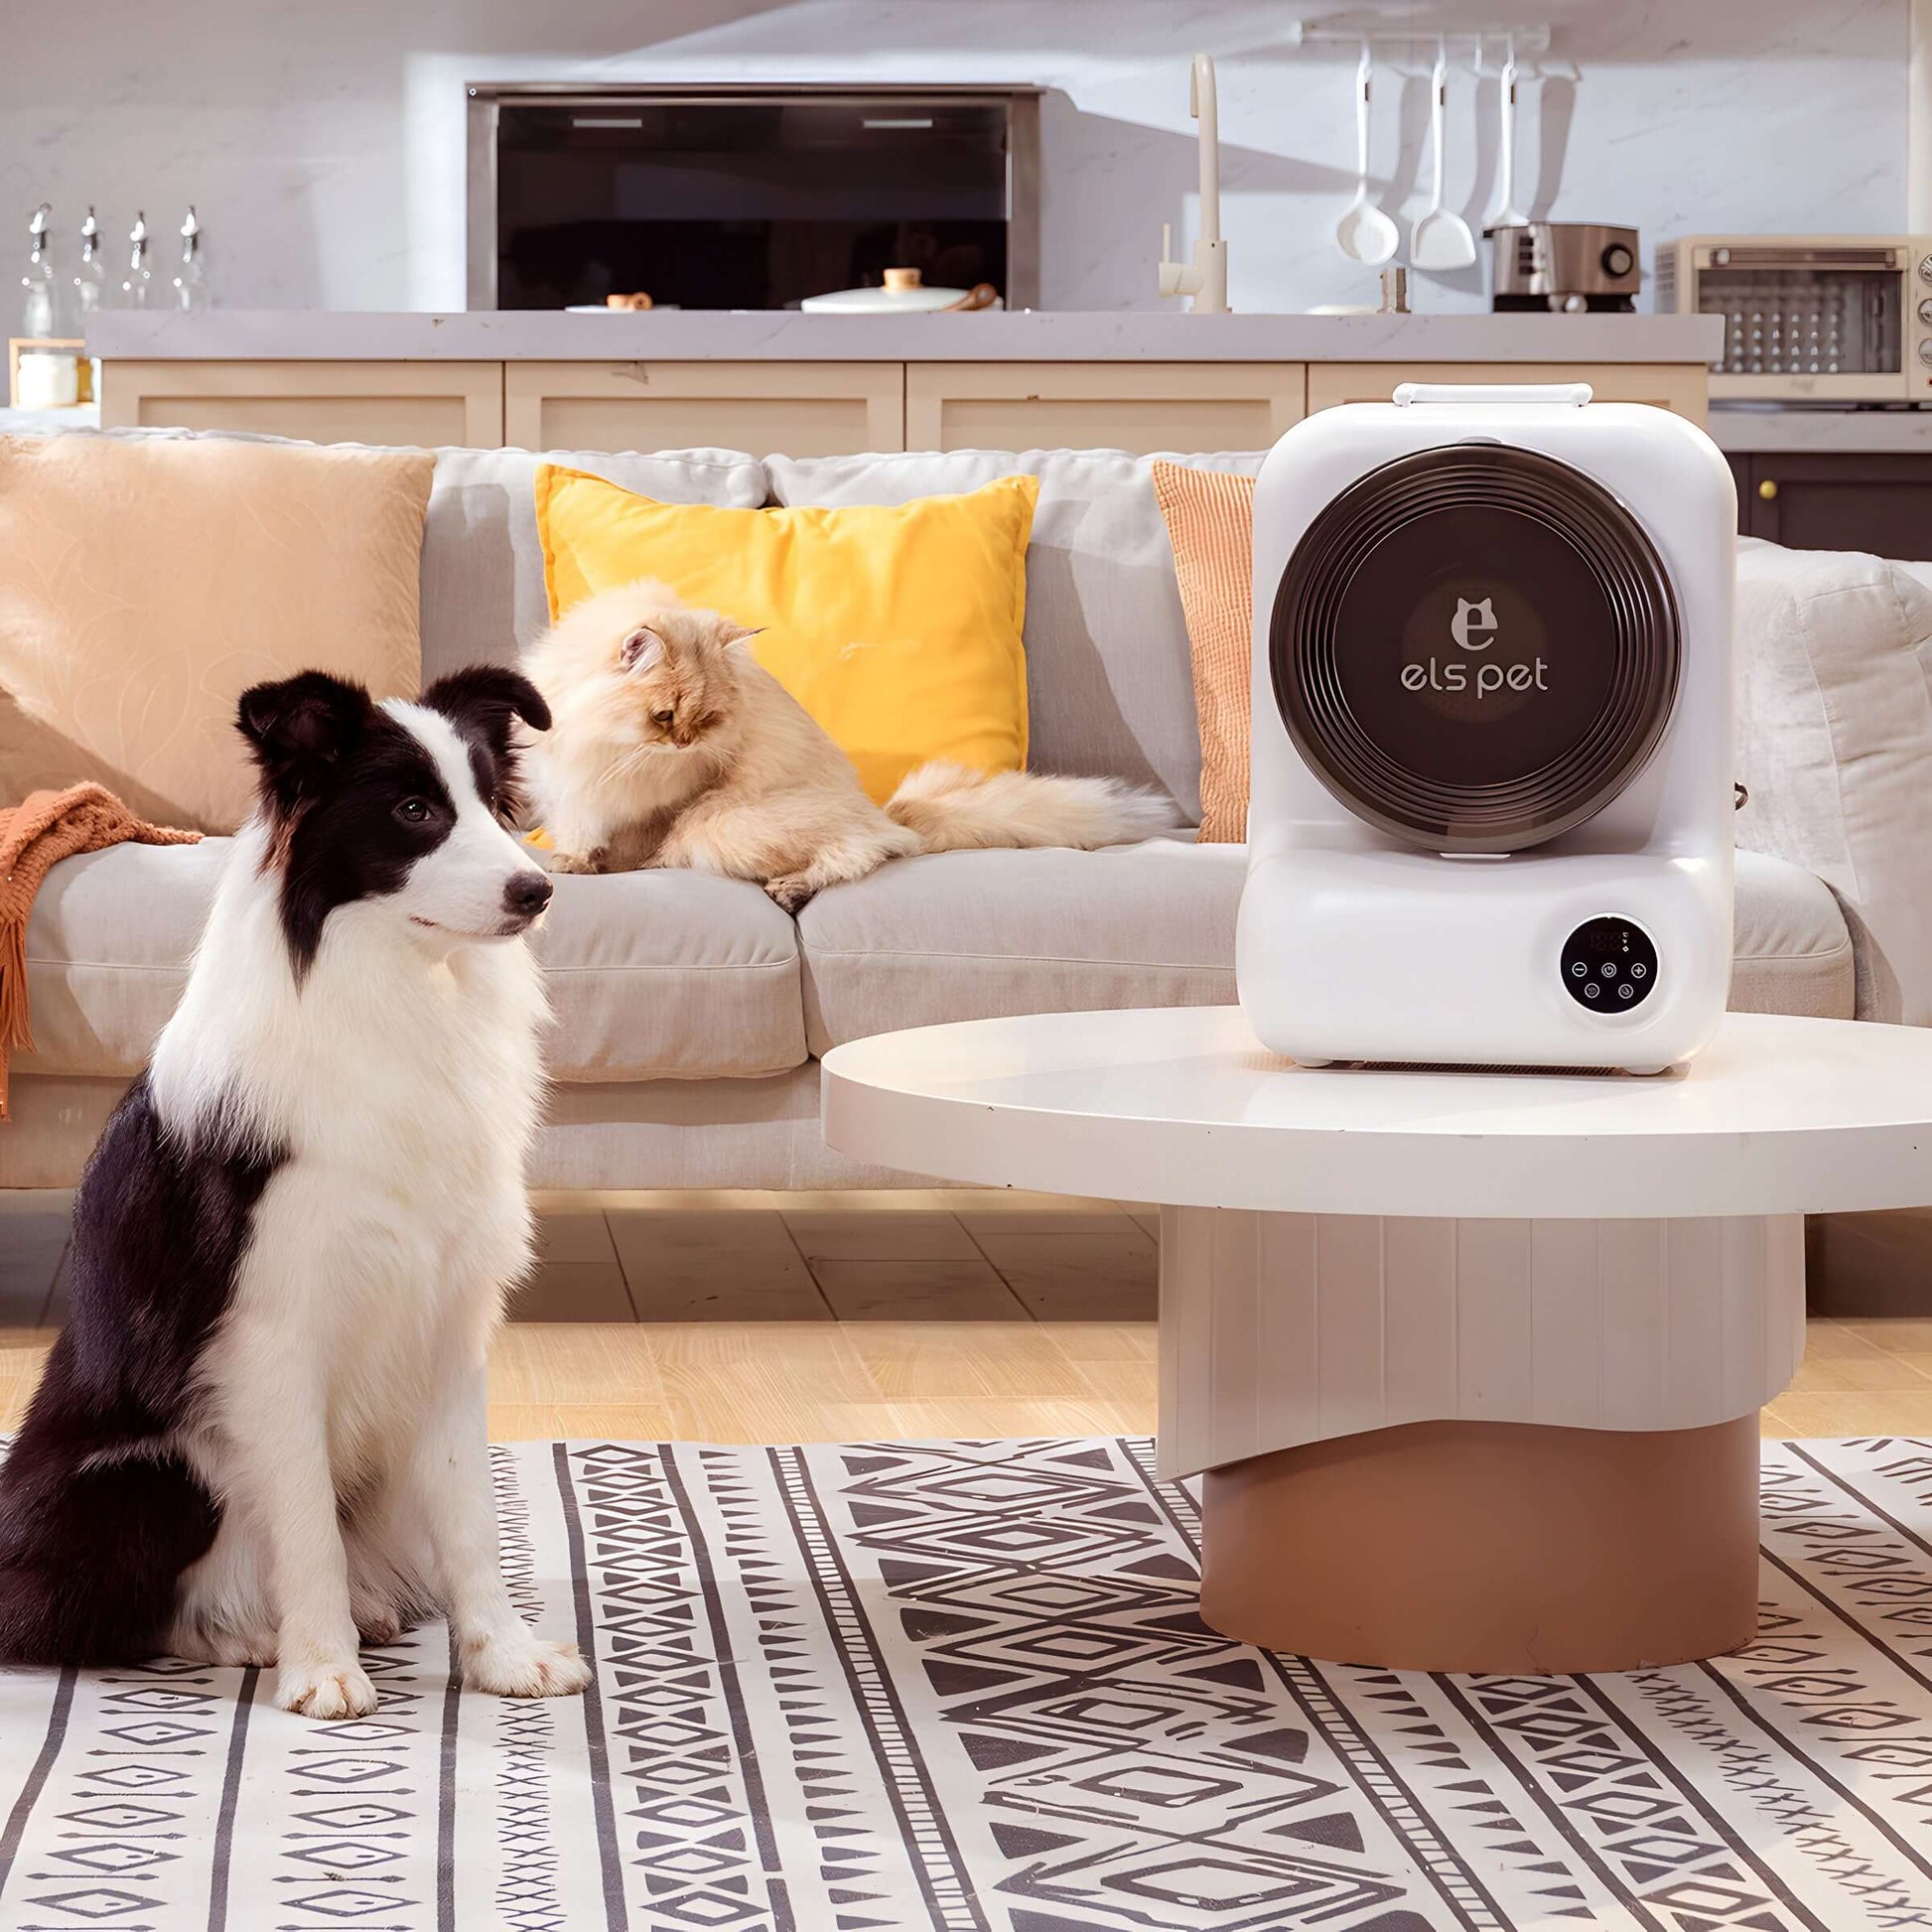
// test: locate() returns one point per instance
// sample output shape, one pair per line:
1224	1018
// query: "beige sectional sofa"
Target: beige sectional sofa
690	1011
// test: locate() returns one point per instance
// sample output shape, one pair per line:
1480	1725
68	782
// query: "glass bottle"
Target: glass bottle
138	283
38	306
89	278
191	284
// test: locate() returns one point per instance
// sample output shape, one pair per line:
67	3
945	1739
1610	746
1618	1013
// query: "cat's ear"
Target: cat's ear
737	633
643	651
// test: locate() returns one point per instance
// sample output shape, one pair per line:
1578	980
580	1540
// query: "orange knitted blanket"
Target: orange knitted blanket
48	827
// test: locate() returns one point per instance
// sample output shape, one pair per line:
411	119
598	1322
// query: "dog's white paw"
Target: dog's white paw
525	1666
326	1691
200	1644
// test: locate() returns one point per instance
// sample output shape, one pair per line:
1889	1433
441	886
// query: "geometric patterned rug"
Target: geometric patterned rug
962	1687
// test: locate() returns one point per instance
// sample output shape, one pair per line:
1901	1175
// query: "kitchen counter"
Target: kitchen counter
825	385
1752	431
747	336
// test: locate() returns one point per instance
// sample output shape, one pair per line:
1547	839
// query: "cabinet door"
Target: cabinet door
1136	406
1682	386
1881	504
767	408
423	404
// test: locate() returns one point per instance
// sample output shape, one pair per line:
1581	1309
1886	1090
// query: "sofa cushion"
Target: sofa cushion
967	935
669	975
482	561
653	975
1835	745
1109	677
108	944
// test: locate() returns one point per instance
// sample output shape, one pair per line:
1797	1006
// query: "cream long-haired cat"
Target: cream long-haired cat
670	745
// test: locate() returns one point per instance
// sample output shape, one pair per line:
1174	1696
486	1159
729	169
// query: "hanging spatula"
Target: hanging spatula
1442	240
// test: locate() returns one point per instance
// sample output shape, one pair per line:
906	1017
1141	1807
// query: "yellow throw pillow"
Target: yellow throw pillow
1211	518
898	628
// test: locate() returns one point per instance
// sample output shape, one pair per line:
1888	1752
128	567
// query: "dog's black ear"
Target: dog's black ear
483	702
485	697
300	728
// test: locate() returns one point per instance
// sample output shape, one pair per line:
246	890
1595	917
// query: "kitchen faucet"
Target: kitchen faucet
1207	277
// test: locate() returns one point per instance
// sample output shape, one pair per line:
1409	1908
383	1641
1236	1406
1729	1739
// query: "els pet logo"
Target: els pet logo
1473	629
1470	618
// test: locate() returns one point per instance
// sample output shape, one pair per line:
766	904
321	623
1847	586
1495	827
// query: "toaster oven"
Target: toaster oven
1842	319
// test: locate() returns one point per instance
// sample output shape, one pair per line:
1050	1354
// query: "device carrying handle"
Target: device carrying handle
1567	395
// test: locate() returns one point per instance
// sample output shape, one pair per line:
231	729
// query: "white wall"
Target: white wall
323	143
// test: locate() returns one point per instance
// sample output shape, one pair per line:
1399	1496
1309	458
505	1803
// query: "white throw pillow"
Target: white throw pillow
1835	745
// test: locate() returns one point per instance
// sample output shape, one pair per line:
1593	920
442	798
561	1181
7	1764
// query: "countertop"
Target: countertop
1026	336
1743	430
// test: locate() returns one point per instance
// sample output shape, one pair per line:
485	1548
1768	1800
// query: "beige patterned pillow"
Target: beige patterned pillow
145	584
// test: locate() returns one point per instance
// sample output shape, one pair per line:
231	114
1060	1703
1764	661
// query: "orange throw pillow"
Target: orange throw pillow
1211	518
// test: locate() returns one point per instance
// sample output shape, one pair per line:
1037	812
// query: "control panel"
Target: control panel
1610	965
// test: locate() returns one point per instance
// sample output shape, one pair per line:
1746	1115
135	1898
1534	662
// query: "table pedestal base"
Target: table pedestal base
1484	1546
1495	1445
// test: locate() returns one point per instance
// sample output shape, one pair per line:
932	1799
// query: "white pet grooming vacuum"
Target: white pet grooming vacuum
1491	802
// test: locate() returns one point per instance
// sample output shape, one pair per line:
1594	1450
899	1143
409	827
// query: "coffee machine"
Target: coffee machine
1569	267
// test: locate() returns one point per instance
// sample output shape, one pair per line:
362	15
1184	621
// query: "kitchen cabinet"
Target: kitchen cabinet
1812	500
1668	385
770	408
1135	407
816	406
397	403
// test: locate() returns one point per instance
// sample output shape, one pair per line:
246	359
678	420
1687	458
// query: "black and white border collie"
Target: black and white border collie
260	1435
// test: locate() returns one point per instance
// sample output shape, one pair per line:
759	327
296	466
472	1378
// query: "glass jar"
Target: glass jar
47	379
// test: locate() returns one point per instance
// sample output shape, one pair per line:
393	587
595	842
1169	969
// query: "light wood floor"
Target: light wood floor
828	1318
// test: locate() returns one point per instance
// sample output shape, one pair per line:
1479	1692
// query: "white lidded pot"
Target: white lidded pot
904	293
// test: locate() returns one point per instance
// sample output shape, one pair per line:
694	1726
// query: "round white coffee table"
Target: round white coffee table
1471	1362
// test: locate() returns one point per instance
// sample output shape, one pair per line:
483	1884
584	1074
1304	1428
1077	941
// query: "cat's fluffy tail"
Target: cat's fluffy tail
954	809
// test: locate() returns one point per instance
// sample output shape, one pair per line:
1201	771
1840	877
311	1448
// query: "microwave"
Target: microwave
1809	317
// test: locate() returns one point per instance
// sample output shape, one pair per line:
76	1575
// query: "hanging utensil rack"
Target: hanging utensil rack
1484	47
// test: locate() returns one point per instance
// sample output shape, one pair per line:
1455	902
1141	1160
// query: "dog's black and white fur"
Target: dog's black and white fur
261	1432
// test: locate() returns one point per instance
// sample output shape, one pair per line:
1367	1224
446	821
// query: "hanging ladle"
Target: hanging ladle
1442	240
1364	233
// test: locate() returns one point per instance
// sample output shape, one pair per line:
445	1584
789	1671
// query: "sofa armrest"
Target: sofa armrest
1834	746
